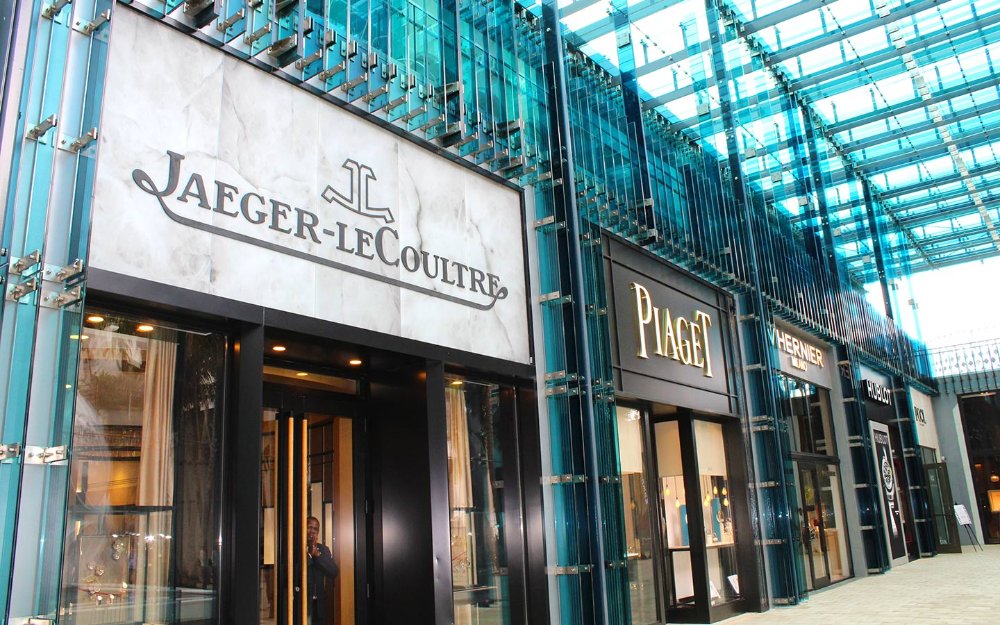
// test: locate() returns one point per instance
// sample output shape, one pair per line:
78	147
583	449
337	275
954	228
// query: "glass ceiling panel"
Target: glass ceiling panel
907	90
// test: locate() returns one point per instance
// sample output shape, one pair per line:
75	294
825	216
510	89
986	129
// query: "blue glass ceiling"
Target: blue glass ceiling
899	100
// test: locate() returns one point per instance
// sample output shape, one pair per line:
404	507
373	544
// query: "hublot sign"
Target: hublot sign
876	392
465	284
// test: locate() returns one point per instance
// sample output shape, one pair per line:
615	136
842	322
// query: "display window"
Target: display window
685	516
142	531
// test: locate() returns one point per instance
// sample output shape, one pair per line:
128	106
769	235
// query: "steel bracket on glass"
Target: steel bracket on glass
90	27
10	451
564	479
555	297
39	130
64	274
75	145
53	9
62	299
19	291
26	262
569	570
228	23
45	455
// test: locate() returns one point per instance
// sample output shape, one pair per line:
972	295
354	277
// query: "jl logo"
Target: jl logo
357	201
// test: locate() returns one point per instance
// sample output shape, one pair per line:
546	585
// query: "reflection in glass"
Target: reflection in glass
142	527
720	530
638	528
670	472
475	489
329	474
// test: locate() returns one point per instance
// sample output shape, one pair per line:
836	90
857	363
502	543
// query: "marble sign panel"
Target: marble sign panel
215	176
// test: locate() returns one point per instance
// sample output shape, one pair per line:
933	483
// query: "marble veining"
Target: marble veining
247	218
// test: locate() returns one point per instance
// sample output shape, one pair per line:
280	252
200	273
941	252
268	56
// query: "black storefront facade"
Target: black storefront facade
288	368
880	403
689	540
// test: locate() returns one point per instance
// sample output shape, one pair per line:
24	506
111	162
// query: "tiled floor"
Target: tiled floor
944	590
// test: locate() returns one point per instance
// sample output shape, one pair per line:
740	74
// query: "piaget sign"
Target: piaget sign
673	336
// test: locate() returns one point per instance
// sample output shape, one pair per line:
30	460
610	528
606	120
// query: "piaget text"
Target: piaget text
677	338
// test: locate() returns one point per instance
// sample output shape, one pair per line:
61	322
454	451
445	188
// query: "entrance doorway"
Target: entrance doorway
814	546
310	520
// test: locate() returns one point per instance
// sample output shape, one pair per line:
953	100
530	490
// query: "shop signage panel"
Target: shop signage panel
669	333
215	176
889	487
923	415
802	356
876	392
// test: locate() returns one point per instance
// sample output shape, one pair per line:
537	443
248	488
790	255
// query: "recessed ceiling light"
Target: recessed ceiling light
302	374
456	382
95	319
144	327
354	362
74	336
279	348
84	337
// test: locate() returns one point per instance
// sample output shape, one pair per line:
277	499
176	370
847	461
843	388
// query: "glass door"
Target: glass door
814	518
307	516
942	506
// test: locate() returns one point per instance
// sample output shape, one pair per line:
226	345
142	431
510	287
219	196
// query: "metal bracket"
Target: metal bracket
80	142
69	271
26	262
227	23
53	9
260	32
44	455
564	479
99	21
64	299
569	570
43	127
361	78
27	287
9	451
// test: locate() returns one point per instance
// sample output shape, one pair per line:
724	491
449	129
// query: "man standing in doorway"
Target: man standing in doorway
321	566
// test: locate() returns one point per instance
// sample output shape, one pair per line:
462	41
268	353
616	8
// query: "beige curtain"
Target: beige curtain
460	500
156	477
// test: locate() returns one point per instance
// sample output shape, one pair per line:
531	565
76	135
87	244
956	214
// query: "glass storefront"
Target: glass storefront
822	536
681	526
475	501
143	523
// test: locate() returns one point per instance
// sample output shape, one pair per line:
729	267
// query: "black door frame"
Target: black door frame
702	611
244	325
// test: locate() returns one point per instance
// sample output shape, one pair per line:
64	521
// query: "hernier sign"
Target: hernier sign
217	177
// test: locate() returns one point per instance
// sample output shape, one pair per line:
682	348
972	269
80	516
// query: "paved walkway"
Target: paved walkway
949	589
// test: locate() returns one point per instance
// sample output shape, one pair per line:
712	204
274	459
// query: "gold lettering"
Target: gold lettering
669	338
682	340
697	348
705	321
819	359
658	332
643	314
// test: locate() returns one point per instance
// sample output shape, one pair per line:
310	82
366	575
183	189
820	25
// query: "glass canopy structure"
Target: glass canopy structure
895	100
